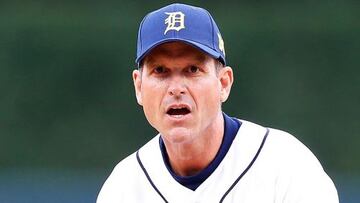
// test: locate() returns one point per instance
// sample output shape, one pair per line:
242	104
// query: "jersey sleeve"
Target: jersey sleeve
302	178
111	189
117	184
311	187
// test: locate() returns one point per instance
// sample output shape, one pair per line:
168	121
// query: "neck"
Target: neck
187	159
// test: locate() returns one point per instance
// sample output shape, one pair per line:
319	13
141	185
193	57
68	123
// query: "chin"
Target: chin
178	135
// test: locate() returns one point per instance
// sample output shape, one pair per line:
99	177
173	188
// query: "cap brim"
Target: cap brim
197	45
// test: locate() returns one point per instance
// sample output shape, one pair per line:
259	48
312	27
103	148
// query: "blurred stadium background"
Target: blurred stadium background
67	107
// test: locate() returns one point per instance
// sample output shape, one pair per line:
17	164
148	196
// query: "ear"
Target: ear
136	75
226	78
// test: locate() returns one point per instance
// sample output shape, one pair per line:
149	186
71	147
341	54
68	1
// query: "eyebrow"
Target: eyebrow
199	58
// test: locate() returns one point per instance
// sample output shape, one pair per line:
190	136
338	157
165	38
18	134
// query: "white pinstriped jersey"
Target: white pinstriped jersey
262	165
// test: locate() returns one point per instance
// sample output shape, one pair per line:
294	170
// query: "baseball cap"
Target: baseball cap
180	22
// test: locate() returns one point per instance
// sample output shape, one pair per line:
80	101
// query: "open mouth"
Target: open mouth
178	111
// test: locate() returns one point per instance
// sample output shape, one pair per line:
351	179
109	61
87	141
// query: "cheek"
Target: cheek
151	98
208	95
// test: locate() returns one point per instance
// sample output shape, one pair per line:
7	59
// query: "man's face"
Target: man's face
181	91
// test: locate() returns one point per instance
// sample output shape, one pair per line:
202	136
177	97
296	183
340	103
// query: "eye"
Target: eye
159	70
193	69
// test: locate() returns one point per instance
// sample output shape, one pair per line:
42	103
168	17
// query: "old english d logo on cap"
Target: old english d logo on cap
175	21
180	22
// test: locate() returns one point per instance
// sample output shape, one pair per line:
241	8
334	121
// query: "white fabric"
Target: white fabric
284	172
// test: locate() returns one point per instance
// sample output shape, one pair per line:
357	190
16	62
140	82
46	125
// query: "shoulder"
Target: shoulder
298	174
124	178
278	143
290	151
302	177
122	173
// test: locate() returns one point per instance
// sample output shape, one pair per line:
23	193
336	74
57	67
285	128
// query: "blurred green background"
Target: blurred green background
68	112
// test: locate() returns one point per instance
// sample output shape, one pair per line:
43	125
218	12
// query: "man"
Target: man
201	154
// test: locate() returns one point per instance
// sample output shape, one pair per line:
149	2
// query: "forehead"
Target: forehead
176	50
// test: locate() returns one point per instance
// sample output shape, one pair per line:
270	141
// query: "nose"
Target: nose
177	87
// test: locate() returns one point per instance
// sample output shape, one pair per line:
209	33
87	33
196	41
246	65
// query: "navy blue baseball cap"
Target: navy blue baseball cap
180	22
